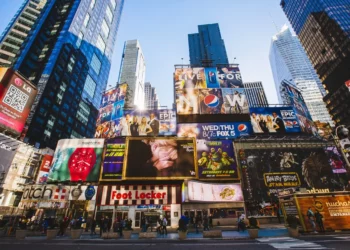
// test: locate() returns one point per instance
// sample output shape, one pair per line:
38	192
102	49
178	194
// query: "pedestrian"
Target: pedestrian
105	224
164	225
159	226
116	226
206	223
121	224
196	223
311	216
109	224
319	220
93	227
241	223
143	224
45	225
279	216
211	221
62	224
102	223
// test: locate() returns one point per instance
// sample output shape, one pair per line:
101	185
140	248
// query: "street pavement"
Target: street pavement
268	239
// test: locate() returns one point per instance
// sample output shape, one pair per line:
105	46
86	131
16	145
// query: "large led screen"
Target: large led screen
216	159
274	120
160	158
229	130
214	192
112	167
77	160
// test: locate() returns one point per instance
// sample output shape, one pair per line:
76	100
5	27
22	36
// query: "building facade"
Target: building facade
289	62
207	45
18	29
151	97
132	71
68	57
255	94
324	31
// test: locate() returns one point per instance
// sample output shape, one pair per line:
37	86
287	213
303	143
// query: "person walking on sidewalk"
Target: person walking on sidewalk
311	216
196	223
165	223
319	221
206	223
93	227
241	223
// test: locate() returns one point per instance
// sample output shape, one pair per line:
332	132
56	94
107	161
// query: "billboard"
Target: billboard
209	91
296	100
216	159
213	192
8	147
189	78
139	123
83	193
44	169
267	171
77	160
334	207
160	158
230	77
274	120
112	167
228	130
234	101
16	97
114	95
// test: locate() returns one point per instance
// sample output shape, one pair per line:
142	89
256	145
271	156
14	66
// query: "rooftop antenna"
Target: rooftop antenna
276	27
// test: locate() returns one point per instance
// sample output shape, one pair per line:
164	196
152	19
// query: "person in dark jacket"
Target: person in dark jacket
93	227
319	221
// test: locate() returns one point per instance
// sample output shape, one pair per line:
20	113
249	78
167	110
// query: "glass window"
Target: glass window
96	64
109	14
105	28
83	112
86	20
100	44
80	38
114	4
90	86
92	4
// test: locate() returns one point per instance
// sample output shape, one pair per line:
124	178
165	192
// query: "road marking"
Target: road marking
290	243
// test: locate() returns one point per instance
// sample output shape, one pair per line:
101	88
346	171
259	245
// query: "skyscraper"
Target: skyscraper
289	62
255	93
151	97
132	71
324	31
67	55
207	45
18	29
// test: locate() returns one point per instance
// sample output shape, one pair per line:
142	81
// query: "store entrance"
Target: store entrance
195	213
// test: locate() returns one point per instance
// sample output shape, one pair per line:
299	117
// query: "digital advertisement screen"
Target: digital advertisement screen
16	98
77	160
229	130
274	120
216	159
268	171
230	77
139	123
213	192
160	158
112	167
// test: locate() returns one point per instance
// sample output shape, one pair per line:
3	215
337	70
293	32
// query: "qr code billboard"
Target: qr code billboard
16	98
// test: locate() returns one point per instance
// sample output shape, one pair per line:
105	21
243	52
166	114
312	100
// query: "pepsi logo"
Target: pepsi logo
18	82
242	128
211	101
295	123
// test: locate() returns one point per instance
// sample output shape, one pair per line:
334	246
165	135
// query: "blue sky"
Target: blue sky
162	27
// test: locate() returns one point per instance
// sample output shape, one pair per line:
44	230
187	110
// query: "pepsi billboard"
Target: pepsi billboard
230	77
214	130
206	91
274	120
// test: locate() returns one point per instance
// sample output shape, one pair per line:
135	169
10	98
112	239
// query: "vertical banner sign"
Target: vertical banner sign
44	169
113	160
16	98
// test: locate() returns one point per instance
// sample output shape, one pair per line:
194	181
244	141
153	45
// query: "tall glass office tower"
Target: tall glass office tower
67	55
289	62
323	28
207	45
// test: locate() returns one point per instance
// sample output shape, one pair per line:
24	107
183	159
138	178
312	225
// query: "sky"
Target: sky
162	26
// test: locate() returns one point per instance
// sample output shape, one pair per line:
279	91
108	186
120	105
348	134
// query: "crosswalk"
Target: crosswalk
290	243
